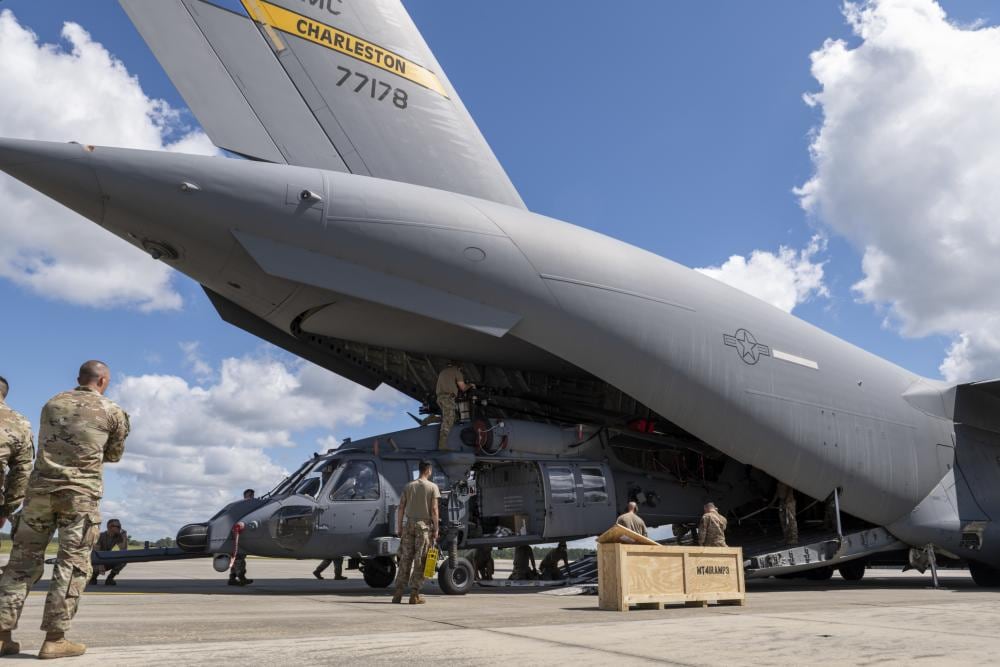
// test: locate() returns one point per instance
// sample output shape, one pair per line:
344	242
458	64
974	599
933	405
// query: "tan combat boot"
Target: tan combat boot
397	597
57	646
416	598
7	644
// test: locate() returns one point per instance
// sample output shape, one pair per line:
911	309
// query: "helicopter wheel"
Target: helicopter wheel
379	572
457	580
819	574
984	575
853	570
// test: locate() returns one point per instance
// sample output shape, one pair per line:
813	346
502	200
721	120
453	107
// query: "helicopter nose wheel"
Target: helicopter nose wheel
457	580
378	572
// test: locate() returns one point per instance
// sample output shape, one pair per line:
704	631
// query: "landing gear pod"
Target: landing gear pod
457	580
220	562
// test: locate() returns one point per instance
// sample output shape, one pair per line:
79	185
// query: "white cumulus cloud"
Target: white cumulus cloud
907	167
78	91
784	279
193	448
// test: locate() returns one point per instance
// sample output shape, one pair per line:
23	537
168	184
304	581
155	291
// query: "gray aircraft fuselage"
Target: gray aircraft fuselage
412	268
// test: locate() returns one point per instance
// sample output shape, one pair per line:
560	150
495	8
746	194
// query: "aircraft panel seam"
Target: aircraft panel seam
352	164
830	408
408	223
237	82
617	290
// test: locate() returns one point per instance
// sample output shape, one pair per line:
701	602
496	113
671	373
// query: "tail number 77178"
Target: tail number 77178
378	90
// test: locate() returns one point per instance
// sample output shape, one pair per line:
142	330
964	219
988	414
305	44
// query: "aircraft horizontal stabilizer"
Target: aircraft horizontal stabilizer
338	275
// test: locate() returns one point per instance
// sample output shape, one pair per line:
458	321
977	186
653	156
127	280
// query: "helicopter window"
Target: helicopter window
314	480
286	485
594	490
437	475
561	484
358	481
308	486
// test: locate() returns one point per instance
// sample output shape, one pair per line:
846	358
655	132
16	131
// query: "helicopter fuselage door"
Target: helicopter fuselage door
578	498
355	510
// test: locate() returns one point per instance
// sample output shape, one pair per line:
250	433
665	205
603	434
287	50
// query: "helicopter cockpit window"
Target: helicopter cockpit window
561	484
594	489
357	481
314	480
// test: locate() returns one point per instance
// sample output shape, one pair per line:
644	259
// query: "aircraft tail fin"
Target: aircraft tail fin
348	86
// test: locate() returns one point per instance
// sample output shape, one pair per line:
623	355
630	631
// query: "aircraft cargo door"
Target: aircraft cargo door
579	499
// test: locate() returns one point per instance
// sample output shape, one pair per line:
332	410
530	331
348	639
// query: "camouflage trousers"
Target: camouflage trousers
413	546
789	524
446	402
78	521
239	568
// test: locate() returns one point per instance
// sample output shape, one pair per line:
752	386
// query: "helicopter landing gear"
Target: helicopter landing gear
457	580
378	572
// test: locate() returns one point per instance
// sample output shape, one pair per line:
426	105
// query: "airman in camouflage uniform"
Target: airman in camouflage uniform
17	449
449	383
550	564
79	431
712	529
784	495
419	505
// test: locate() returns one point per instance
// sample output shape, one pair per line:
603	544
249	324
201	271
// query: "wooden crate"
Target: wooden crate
641	574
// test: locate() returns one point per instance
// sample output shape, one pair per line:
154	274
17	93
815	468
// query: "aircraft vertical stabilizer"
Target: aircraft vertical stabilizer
346	86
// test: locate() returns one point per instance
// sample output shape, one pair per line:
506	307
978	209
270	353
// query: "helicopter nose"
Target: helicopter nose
63	172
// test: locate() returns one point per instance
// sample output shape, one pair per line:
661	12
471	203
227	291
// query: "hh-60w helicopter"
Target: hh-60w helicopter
504	483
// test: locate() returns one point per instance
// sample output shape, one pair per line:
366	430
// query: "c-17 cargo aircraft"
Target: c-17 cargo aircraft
372	231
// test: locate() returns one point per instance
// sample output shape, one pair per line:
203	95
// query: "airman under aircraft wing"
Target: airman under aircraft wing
345	86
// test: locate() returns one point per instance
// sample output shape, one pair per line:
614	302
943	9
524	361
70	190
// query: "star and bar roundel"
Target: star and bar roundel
746	345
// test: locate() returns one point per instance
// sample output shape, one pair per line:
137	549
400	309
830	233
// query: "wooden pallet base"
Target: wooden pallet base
688	603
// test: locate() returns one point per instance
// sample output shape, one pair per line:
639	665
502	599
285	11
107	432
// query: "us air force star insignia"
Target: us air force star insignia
746	345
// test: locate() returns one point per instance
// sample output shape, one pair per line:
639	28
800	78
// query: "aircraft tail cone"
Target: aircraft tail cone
62	172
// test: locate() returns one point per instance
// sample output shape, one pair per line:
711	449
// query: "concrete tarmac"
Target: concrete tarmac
184	613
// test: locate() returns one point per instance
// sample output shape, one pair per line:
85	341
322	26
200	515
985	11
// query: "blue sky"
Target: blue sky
679	127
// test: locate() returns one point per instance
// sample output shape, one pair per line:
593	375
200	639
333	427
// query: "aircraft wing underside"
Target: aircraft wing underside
348	87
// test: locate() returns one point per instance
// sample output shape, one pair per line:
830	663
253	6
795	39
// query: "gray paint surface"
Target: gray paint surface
715	365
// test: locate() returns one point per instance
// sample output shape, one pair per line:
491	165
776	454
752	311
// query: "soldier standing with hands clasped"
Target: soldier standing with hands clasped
80	430
419	505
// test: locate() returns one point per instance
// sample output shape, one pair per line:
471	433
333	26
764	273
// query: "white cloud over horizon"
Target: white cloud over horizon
194	447
784	279
907	162
78	93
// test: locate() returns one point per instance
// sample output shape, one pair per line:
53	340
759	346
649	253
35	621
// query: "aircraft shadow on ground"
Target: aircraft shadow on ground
262	586
285	586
